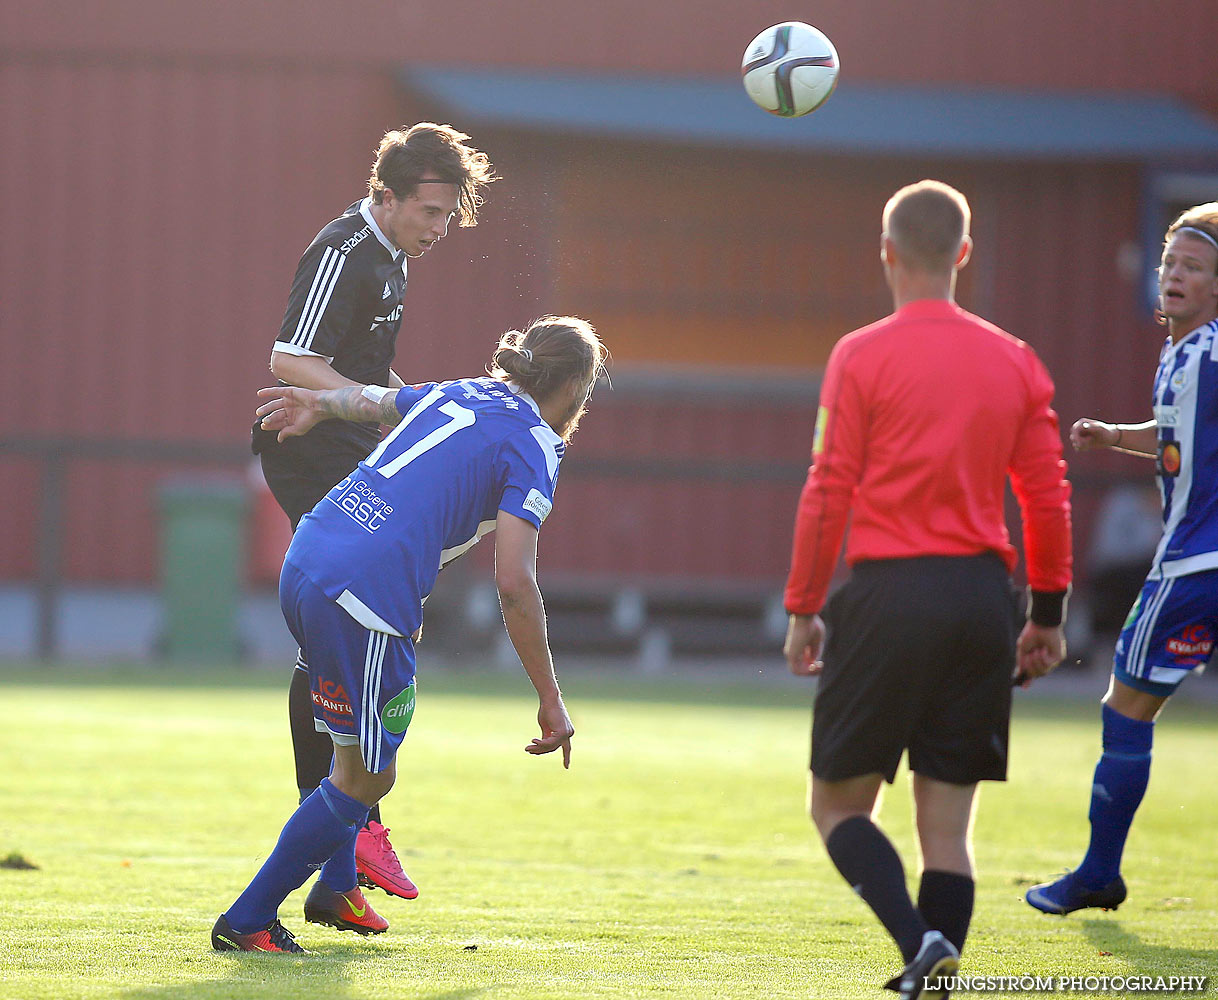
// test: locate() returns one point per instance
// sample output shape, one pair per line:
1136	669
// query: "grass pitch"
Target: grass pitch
674	859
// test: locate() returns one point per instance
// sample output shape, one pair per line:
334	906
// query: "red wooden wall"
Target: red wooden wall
163	163
1083	44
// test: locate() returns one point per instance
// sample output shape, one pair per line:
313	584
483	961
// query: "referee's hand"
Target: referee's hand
1040	648
805	639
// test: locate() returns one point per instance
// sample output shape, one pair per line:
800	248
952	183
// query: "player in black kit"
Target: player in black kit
340	329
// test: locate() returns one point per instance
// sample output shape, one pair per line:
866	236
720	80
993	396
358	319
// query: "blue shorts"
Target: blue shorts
1169	632
361	680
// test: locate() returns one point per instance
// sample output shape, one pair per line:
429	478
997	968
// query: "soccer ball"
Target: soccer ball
790	69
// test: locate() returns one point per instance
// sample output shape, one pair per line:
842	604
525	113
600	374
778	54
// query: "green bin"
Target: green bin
202	552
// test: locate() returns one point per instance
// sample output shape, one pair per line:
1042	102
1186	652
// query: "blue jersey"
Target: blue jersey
1186	412
462	452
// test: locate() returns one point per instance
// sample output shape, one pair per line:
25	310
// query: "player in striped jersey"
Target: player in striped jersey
340	329
1171	629
466	458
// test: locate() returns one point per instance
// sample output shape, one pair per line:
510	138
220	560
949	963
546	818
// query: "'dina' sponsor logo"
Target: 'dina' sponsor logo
396	715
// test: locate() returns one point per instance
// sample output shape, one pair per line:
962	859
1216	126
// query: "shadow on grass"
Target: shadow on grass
279	987
1148	960
278	976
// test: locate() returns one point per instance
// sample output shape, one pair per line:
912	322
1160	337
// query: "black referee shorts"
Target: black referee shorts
919	657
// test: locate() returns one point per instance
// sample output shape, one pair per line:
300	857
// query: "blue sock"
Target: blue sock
1120	781
322	824
339	872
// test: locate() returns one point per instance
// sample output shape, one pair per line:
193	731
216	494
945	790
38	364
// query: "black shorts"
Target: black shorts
298	482
302	470
919	656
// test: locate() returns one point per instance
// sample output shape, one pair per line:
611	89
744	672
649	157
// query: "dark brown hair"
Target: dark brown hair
404	157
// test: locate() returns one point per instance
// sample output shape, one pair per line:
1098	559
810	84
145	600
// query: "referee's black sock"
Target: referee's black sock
869	862
945	900
314	751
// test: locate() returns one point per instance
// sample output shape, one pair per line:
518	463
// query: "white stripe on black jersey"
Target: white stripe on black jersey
328	271
346	298
345	307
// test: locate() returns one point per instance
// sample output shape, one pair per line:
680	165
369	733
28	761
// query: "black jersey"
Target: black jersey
346	307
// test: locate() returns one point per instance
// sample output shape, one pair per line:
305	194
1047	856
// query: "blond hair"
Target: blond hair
1203	218
927	222
548	356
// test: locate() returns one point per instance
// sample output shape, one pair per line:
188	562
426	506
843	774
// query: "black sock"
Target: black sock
314	751
945	900
869	862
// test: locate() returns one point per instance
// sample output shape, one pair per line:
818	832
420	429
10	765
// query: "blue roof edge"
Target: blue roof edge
871	118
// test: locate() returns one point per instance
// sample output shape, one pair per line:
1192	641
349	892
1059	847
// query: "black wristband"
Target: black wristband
1047	608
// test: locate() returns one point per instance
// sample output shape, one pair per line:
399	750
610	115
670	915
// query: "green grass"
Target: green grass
674	859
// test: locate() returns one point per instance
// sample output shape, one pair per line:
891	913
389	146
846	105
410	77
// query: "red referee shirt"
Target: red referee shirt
922	418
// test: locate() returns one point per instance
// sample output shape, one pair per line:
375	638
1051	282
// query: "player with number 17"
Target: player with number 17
465	458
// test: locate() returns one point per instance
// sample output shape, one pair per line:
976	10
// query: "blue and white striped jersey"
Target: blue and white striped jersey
1186	411
462	452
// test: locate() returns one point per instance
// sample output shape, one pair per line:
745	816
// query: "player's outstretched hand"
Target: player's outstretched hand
289	410
1090	433
1040	648
556	731
805	638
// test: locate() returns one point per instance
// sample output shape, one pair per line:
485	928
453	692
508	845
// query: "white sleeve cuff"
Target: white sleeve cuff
376	393
300	352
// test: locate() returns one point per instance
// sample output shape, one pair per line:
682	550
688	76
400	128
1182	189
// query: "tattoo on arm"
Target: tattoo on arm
389	411
349	403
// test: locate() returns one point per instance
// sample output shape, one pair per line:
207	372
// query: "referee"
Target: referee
340	329
923	417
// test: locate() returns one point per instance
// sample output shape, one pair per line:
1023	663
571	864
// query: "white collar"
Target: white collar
1171	345
515	390
365	209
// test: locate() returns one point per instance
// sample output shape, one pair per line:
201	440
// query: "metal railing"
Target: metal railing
56	456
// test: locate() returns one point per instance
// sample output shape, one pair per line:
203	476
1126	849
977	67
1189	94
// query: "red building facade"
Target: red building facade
164	164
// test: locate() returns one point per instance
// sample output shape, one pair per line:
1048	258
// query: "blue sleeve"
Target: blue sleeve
409	395
528	474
